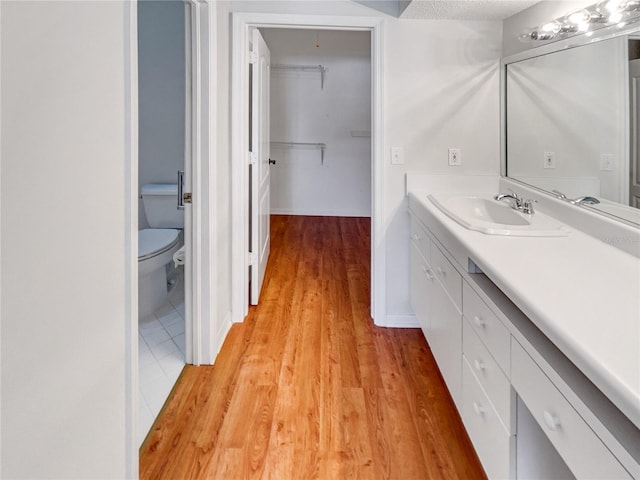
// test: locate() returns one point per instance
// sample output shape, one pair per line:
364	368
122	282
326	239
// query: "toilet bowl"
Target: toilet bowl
156	247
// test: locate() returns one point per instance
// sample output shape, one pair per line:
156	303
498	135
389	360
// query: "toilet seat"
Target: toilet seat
155	241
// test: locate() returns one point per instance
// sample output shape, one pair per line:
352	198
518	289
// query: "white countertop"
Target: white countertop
583	294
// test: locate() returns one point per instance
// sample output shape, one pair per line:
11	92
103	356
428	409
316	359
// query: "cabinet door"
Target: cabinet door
420	289
582	450
446	340
492	442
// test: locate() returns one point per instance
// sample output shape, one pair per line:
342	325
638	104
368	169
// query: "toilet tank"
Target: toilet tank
160	202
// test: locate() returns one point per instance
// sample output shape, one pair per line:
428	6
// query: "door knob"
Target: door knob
272	162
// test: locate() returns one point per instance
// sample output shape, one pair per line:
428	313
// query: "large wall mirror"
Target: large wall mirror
572	119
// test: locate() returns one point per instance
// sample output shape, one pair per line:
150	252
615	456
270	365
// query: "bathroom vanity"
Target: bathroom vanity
537	338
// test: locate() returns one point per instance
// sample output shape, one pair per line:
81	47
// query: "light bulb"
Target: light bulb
525	37
568	29
540	34
614	10
580	17
551	27
607	7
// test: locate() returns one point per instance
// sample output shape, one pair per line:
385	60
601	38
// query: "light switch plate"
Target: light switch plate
607	162
397	156
549	160
455	157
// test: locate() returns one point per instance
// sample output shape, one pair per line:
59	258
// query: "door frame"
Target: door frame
131	383
200	105
240	152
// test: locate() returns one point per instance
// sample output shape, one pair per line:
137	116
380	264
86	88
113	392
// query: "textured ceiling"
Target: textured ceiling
464	9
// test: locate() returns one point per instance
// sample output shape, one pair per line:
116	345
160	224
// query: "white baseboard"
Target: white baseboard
402	321
318	213
221	335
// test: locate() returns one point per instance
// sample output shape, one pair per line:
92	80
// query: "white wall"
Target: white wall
441	89
301	184
161	78
65	303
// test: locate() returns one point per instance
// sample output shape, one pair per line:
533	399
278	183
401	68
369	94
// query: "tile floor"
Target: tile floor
161	357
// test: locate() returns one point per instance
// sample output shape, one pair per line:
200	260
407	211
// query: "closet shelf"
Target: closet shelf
302	68
361	133
321	146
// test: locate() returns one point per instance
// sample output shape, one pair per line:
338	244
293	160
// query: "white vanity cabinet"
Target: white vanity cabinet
436	296
422	279
500	368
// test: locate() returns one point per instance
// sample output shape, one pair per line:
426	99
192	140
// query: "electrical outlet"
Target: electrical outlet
455	157
607	162
549	160
397	156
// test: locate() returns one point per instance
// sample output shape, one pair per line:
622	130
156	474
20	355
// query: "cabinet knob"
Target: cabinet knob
429	274
478	408
441	271
415	236
479	365
479	321
551	420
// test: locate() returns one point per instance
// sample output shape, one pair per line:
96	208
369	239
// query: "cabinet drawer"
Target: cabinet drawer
448	275
581	449
494	382
489	328
445	340
420	238
420	289
491	441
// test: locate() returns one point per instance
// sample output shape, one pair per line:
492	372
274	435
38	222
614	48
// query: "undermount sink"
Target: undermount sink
496	218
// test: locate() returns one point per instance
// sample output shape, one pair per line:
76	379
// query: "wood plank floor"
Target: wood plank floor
307	387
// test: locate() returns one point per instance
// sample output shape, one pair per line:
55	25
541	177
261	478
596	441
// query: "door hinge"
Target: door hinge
253	158
253	58
186	197
252	259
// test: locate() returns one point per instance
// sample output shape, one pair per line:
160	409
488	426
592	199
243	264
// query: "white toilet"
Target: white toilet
156	245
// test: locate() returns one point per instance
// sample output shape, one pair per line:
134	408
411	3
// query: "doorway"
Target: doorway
318	117
202	339
163	158
242	25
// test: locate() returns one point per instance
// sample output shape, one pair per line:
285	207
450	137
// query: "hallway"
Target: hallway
307	387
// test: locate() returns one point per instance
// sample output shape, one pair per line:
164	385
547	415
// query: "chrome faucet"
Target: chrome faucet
576	201
525	206
584	200
517	201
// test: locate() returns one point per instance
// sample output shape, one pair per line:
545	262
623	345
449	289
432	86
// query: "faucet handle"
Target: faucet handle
527	207
559	194
517	199
515	195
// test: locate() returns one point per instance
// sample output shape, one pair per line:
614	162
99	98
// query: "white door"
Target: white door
259	169
185	182
634	187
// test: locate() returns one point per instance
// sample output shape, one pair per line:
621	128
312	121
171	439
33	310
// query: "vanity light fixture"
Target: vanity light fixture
586	20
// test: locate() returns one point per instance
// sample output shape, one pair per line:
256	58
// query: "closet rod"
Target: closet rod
321	146
302	68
